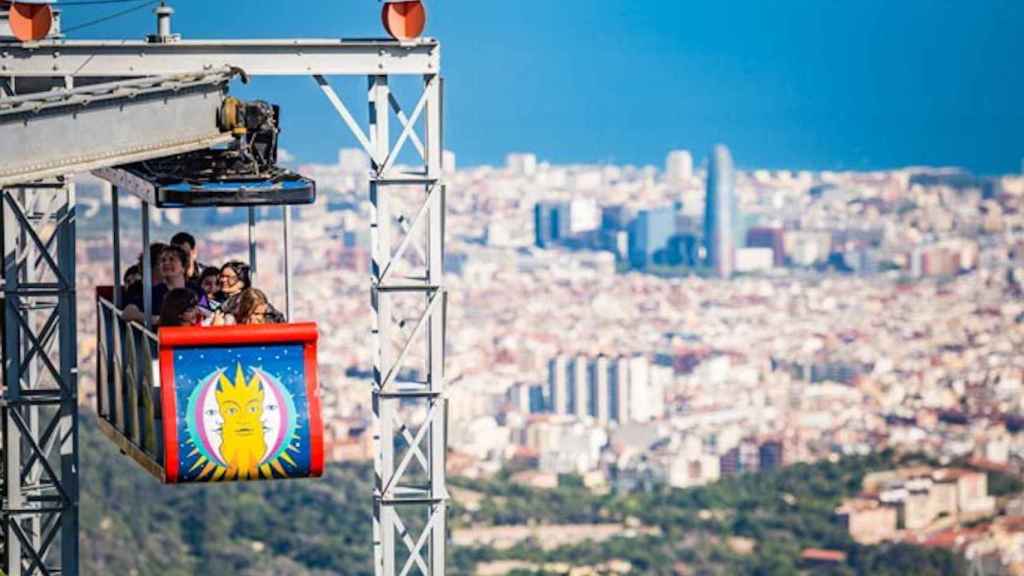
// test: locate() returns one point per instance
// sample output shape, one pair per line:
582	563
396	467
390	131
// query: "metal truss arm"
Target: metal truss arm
257	57
112	123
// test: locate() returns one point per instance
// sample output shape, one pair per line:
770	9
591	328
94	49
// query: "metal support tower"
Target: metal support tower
407	290
410	496
39	406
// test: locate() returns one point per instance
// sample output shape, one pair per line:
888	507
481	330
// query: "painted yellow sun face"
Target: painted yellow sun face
241	407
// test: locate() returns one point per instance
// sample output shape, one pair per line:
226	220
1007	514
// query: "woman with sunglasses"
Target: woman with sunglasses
234	279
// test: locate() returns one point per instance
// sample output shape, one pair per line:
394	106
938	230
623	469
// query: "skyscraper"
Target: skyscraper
558	385
641	400
618	388
720	213
600	389
579	390
550	223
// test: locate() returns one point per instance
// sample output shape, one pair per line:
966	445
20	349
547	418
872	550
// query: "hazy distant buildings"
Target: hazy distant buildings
555	222
521	164
579	388
649	236
551	223
769	237
558	384
623	389
770	455
720	214
600	389
678	167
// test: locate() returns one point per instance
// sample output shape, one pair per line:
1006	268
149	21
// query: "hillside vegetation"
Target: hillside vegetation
131	524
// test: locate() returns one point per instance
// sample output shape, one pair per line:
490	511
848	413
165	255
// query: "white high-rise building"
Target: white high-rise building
579	387
519	397
521	164
678	166
600	389
558	388
584	215
640	404
618	377
660	381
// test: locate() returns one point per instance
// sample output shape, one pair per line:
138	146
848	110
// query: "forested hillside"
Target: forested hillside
131	524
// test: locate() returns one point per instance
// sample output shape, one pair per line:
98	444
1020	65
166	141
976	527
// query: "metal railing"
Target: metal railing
128	386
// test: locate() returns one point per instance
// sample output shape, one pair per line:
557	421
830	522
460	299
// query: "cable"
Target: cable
60	4
145	4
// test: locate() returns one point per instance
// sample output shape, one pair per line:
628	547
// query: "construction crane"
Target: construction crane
148	116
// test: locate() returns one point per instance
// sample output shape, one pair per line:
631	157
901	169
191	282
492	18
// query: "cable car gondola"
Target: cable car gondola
218	403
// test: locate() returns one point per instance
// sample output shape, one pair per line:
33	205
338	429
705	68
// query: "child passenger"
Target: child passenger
254	308
180	308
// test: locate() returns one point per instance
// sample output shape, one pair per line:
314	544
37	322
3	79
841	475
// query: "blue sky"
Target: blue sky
785	84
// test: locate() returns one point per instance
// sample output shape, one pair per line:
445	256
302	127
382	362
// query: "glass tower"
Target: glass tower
720	214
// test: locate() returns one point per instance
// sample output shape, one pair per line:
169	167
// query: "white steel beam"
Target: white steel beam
74	130
82	58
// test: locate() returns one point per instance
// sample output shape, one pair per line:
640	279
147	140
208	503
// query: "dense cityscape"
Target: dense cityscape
638	326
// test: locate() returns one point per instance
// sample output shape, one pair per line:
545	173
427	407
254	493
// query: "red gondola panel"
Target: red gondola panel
240	403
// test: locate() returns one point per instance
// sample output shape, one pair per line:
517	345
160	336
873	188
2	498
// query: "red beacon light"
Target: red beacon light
404	19
29	22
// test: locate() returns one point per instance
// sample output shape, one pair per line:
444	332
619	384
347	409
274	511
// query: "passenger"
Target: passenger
173	263
254	308
187	242
180	308
131	276
234	278
133	294
209	282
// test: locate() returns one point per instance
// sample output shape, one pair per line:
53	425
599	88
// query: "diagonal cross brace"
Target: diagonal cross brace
30	230
434	299
16	417
407	457
410	232
404	121
350	121
407	128
414	553
407	540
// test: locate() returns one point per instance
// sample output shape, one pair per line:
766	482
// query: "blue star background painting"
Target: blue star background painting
214	441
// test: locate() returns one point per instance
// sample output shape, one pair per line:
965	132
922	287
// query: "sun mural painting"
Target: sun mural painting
243	413
241	429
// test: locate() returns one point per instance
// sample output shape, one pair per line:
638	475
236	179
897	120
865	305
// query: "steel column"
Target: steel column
410	496
39	410
252	243
285	224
